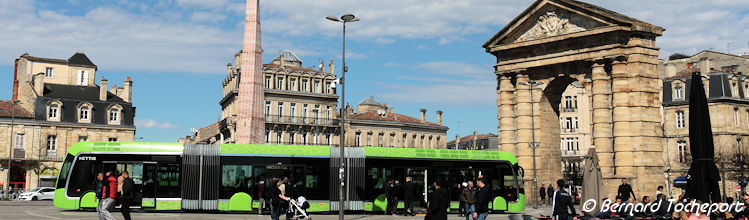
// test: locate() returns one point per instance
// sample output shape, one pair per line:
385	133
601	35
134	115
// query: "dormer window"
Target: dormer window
82	78
316	86
48	72
84	112
304	85
679	92
268	82
114	114
54	109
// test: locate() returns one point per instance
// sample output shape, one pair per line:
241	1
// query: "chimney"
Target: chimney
322	66
457	141
475	138
237	60
439	117
39	84
127	93
103	89
282	60
705	66
392	110
331	70
423	115
228	69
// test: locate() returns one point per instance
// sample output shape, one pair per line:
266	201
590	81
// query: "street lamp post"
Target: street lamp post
533	145
10	147
341	197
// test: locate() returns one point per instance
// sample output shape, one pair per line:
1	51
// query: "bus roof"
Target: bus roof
300	150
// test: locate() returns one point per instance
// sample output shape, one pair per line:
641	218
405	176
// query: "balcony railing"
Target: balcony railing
298	120
569	130
570	109
51	155
571	153
19	153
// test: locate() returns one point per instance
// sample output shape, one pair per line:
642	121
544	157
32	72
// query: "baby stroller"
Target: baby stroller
298	209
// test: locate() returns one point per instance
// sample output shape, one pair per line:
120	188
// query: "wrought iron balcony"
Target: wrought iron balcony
571	153
283	119
570	109
51	155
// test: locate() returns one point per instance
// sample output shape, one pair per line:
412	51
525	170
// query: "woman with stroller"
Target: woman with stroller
277	200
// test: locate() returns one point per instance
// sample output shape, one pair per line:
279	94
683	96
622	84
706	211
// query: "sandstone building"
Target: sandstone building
574	124
475	141
727	89
59	104
301	108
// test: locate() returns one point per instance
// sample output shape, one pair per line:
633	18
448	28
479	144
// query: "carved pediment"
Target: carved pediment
552	21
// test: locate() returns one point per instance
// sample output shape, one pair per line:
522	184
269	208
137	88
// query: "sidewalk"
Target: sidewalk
25	203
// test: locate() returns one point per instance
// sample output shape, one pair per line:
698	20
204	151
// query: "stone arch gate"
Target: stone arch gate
614	57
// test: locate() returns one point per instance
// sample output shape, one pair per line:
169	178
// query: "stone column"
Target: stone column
506	109
602	118
624	127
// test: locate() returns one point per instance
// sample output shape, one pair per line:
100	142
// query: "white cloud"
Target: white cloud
203	3
456	69
202	16
150	123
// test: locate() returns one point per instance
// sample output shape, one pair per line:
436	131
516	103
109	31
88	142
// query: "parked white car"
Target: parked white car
41	193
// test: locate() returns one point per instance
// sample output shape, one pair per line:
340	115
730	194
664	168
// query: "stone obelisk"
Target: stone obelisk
250	121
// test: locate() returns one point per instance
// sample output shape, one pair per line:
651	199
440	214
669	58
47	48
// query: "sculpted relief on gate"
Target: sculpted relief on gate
548	25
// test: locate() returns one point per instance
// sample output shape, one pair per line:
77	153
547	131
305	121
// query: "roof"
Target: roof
690	71
207	132
593	10
389	116
470	137
294	68
90	93
370	101
289	56
716	52
7	108
78	59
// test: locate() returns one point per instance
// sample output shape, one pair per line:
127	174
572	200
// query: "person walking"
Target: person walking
109	193
483	195
550	193
276	200
409	192
468	197
389	195
99	189
438	203
625	190
127	194
260	189
560	202
542	193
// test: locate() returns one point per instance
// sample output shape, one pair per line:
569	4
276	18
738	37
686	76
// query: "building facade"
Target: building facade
301	108
58	105
728	102
475	141
574	124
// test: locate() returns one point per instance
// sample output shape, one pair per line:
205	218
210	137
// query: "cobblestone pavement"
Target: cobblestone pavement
45	210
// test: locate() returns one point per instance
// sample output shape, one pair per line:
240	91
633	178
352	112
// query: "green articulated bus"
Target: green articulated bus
175	176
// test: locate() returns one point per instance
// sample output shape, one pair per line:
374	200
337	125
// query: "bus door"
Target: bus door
418	177
295	173
149	185
135	170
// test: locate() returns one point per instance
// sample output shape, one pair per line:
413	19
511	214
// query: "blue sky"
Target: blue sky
410	54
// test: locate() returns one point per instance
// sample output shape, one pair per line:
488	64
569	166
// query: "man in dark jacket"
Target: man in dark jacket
127	194
99	188
542	193
550	193
561	201
438	203
483	195
468	196
625	190
409	191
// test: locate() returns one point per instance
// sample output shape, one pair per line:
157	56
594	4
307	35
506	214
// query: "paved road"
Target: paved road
45	210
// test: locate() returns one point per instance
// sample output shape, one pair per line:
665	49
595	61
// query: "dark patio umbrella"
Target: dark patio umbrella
592	180
702	179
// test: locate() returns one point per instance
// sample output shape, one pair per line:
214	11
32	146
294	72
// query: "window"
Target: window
292	111
369	140
413	141
570	145
379	140
316	113
576	124
577	144
403	141
48	72
735	89
329	88
328	113
267	108
279	85
561	123
679	92
112	139
357	139
305	110
316	86
574	98
568	122
268	82
421	142
568	103
114	115
738	146
679	119
83	115
304	85
392	140
292	84
82	138
736	117
682	148
83	78
53	110
51	142
280	110
18	142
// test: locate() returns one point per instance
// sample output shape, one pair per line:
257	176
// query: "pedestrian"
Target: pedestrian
276	200
109	193
389	195
461	204
409	192
550	193
260	189
561	201
127	194
625	190
438	203
468	197
99	188
542	193
658	191
483	195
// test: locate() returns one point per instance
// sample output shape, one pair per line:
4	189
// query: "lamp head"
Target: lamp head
332	18
349	18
